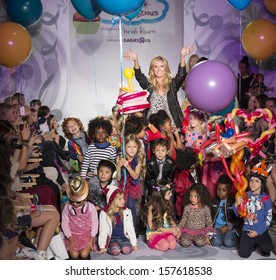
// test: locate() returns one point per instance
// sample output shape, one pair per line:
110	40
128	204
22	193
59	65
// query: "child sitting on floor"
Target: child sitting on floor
258	214
225	222
162	232
116	232
196	223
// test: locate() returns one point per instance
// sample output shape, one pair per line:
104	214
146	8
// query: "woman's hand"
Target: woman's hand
131	55
187	50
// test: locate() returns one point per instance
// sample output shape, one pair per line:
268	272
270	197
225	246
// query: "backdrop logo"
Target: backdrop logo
151	12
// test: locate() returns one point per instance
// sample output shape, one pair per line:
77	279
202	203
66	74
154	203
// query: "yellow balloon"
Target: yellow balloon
259	39
129	73
15	44
270	6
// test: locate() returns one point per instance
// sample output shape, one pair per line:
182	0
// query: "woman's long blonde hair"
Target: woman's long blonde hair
167	79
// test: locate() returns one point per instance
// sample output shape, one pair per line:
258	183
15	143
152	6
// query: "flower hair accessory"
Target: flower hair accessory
164	188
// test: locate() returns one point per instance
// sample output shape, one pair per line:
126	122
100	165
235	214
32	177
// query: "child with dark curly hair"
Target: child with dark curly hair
196	223
162	231
99	130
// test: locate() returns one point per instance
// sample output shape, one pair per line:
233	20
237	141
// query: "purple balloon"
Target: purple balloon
211	86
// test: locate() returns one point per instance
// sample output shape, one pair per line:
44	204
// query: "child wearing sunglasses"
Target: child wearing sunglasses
79	220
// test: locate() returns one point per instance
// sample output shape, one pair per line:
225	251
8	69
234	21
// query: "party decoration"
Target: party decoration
135	13
15	44
217	87
232	143
86	8
259	39
239	4
129	74
119	7
270	6
129	100
24	12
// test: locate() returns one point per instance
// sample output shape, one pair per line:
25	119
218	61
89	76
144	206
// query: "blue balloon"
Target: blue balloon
86	8
230	132
226	110
239	4
24	12
119	7
135	13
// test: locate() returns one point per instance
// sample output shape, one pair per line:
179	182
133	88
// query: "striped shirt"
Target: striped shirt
92	157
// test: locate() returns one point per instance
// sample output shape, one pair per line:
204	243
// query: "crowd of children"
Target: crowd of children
117	171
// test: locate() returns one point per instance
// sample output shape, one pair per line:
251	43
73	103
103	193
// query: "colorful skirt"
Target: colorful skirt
153	237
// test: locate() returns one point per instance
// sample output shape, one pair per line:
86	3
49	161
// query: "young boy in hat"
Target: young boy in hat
258	214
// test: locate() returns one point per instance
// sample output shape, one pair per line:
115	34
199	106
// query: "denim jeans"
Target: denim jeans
229	239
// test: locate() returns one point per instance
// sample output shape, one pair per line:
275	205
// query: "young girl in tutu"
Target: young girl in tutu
196	223
79	220
116	232
162	232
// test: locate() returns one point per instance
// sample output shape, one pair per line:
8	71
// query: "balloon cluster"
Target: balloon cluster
230	142
132	101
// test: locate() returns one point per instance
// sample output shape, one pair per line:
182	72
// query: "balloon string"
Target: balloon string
94	75
240	97
123	122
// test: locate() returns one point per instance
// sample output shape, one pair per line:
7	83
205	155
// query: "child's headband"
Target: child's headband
164	188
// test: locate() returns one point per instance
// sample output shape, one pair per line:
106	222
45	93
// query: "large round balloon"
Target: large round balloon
259	39
135	13
270	6
119	7
211	86
15	44
24	12
239	4
86	8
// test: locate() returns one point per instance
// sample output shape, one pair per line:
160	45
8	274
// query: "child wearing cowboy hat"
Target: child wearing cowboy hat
79	220
258	214
116	232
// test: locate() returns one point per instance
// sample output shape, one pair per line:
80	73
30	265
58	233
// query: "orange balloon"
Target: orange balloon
15	44
270	6
259	39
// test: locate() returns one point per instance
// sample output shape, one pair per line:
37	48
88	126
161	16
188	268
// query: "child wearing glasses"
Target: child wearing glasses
79	220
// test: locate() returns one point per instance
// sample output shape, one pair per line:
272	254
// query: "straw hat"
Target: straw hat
77	190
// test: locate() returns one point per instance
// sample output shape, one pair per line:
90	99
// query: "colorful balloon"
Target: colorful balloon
135	13
239	4
86	8
15	44
270	6
24	12
259	39
119	7
211	86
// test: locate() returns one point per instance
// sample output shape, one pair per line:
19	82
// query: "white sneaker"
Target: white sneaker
42	255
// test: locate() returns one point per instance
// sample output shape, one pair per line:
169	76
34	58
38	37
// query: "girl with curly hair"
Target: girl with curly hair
196	223
78	141
162	232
